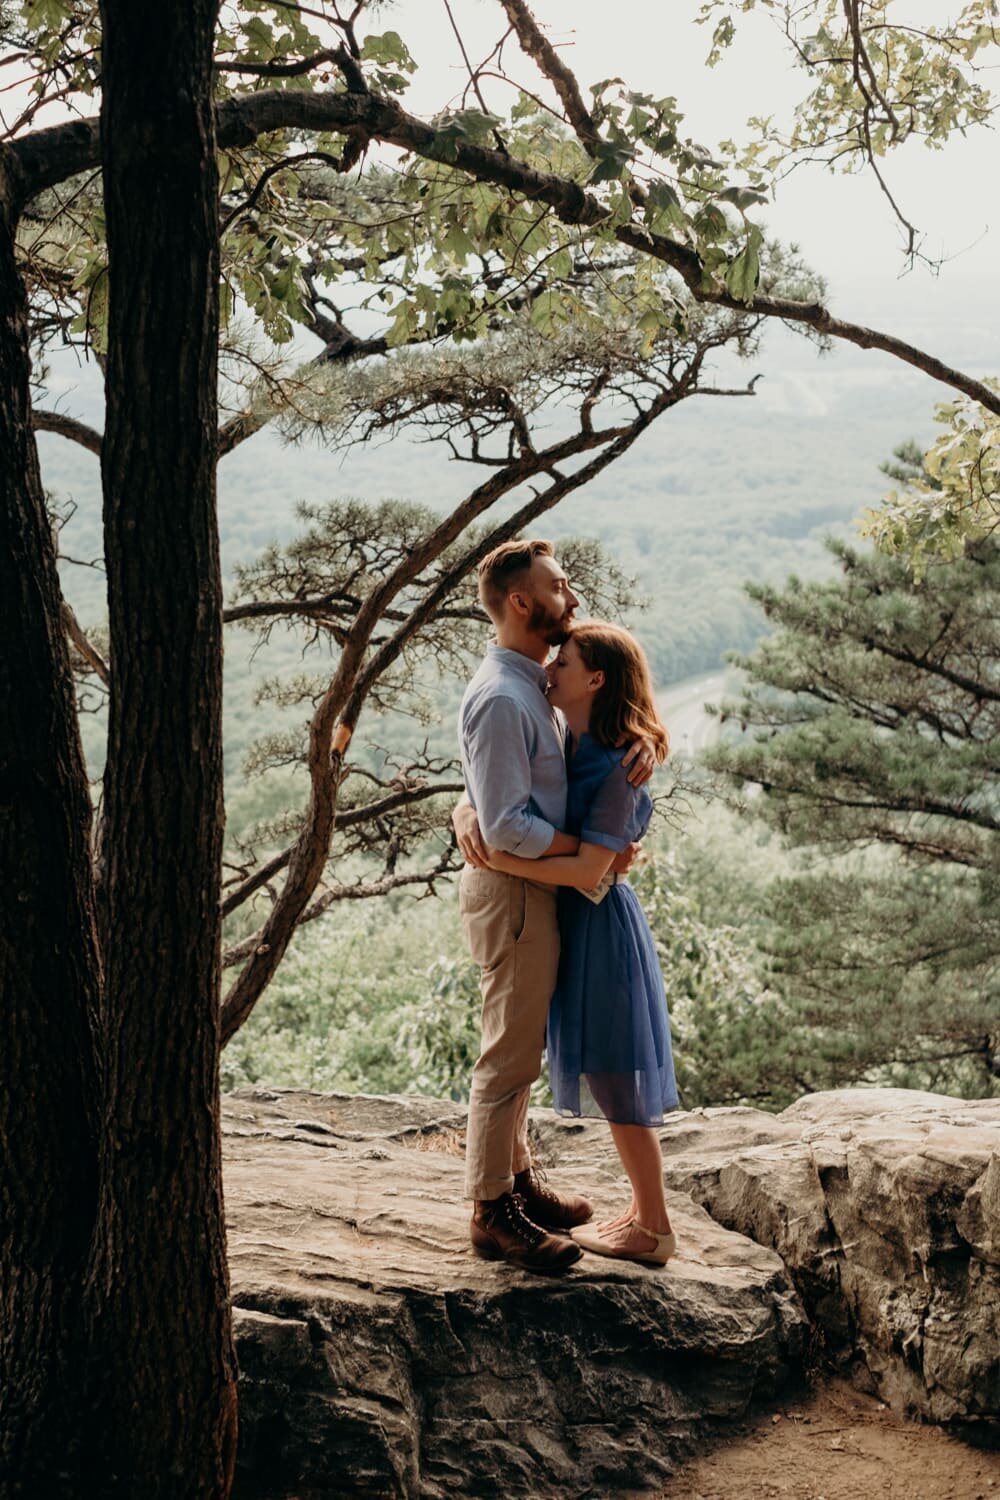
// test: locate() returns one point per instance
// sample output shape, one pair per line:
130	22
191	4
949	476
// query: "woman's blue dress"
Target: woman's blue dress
608	1030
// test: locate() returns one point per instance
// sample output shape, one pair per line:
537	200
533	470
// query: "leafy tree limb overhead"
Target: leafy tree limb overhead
623	175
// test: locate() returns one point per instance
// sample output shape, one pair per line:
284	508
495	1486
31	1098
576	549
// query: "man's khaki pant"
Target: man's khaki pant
511	928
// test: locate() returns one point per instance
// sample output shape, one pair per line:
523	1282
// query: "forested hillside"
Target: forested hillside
720	491
539	274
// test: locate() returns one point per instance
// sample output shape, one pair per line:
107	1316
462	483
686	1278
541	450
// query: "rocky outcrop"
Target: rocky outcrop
884	1205
378	1357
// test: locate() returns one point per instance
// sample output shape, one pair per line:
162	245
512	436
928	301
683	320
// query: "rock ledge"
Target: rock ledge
379	1357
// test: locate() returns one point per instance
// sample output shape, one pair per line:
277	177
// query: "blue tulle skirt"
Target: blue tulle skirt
608	1030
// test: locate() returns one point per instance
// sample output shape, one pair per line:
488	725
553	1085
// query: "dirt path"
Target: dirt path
835	1444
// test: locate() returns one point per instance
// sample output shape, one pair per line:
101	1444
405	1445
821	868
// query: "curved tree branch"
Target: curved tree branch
67	427
360	890
78	636
283	70
536	45
46	157
350	817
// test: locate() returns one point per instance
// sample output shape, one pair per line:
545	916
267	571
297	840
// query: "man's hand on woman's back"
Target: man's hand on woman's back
623	862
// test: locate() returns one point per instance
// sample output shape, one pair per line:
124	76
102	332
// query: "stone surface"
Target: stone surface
379	1357
884	1205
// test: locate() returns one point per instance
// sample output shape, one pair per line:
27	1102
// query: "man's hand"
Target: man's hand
468	836
623	862
640	762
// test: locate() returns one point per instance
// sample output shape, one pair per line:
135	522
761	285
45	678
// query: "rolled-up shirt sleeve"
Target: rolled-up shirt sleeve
496	746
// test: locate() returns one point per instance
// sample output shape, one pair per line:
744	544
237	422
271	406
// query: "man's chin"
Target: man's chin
558	635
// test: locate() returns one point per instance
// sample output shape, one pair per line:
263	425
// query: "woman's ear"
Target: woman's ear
596	681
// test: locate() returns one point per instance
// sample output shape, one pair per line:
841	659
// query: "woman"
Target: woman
608	1031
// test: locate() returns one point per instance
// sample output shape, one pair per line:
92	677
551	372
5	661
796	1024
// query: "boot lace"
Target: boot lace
516	1220
539	1186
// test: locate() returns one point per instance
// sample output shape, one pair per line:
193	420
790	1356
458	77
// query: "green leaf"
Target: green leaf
387	49
638	119
464	126
722	37
710	223
525	108
743	274
612	159
458	245
404	325
649	326
548	311
560	265
606	83
742	197
663	208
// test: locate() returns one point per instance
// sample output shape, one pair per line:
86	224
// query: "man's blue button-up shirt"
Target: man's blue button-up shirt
513	754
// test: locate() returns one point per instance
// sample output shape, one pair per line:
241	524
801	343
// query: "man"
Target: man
514	758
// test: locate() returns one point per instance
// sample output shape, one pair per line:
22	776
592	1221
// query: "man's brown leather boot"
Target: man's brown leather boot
502	1231
543	1205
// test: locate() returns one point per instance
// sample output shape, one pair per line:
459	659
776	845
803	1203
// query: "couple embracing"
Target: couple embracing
556	758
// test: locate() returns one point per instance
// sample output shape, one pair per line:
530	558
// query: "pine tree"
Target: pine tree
871	723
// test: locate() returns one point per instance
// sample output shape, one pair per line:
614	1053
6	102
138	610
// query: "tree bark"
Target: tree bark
49	966
160	1294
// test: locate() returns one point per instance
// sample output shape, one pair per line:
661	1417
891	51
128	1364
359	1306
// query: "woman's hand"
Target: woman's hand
640	762
468	835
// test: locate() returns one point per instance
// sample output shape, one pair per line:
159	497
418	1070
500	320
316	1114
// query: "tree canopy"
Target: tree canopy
486	209
950	496
343	214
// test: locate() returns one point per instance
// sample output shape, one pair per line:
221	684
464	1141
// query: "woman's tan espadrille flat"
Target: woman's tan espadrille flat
591	1238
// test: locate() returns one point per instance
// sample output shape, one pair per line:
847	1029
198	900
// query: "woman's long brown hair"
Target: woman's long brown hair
624	708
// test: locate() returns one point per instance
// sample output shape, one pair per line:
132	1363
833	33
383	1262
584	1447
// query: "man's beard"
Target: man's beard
555	630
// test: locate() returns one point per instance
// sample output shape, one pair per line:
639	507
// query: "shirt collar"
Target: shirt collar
514	661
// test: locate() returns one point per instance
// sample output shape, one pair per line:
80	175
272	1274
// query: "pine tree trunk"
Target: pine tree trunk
49	969
160	1283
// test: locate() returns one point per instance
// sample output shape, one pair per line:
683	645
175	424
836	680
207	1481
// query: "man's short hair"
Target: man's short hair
507	568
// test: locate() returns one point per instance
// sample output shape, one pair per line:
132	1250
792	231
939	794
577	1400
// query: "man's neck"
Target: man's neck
524	643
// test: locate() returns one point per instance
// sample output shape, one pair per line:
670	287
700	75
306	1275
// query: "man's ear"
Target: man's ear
519	603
